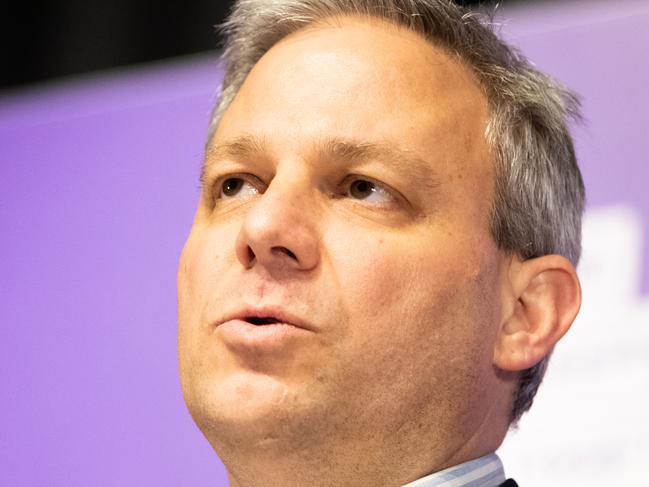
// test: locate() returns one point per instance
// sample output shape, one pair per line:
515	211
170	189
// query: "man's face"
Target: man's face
347	193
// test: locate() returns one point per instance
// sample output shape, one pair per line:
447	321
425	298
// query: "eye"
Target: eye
236	188
369	191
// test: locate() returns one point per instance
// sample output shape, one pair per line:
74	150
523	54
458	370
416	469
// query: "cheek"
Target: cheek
200	271
388	274
202	264
381	288
189	290
407	312
191	278
406	294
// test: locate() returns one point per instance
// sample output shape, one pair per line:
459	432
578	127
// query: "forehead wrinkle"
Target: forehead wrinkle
357	152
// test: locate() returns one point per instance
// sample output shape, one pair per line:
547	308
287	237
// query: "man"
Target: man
383	254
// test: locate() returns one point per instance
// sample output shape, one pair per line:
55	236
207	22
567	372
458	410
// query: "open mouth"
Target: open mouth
269	320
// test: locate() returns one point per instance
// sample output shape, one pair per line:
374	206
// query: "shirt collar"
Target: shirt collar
485	471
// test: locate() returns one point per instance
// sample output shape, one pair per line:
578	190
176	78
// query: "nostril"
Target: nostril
284	250
251	255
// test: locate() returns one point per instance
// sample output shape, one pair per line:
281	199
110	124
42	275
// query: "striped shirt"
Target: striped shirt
485	471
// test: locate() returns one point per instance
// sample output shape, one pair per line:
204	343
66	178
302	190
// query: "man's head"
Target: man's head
392	182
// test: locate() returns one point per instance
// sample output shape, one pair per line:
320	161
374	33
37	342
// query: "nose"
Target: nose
280	231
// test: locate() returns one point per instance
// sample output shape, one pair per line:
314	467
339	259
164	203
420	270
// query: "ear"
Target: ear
539	307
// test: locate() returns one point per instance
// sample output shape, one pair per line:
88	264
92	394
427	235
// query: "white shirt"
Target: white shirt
485	471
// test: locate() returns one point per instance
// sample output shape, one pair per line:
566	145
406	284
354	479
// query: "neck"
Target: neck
374	461
393	449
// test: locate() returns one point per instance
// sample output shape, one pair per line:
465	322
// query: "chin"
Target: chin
244	409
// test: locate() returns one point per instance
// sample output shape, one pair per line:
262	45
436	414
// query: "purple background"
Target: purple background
98	182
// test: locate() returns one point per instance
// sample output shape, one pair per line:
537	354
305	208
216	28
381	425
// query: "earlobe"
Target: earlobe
544	298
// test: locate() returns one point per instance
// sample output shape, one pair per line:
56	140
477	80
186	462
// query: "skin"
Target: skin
417	322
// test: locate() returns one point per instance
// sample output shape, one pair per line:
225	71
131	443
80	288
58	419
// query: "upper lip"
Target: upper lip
271	312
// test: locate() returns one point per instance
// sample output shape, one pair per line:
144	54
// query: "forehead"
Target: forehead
366	80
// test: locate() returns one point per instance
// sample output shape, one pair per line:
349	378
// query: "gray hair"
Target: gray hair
539	192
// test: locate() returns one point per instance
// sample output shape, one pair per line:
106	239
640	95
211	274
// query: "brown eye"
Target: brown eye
361	189
370	192
237	188
231	186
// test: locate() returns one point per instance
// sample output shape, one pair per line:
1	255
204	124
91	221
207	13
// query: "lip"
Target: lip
282	316
244	337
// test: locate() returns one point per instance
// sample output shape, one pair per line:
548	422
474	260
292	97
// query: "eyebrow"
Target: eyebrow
337	149
386	152
240	148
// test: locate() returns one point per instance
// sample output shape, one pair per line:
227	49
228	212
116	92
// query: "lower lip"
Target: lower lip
242	335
